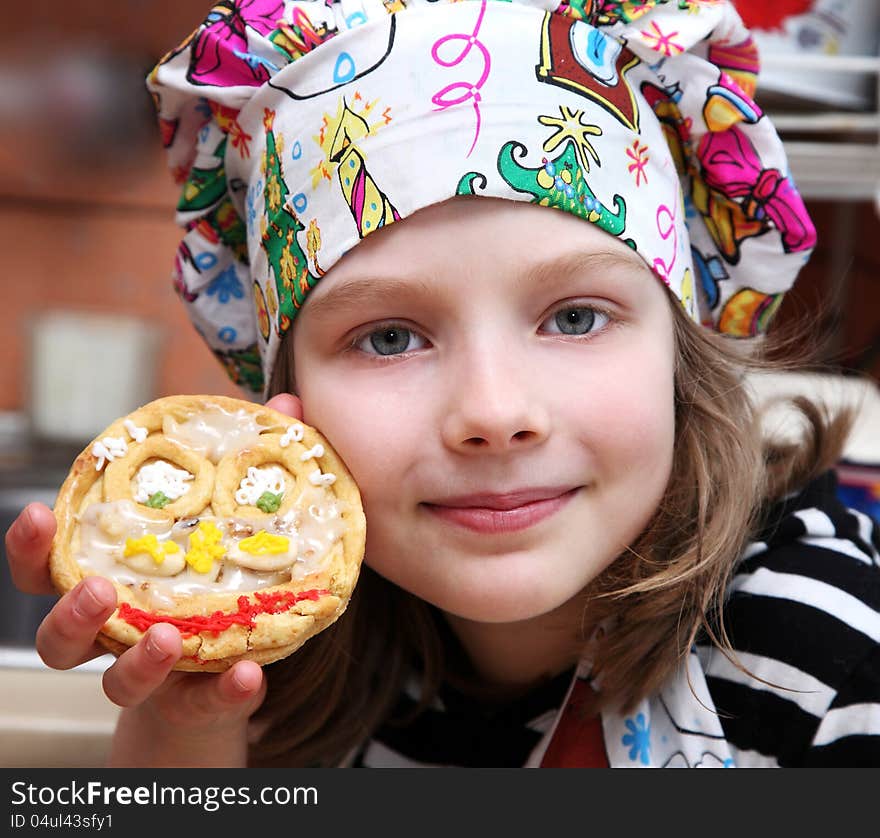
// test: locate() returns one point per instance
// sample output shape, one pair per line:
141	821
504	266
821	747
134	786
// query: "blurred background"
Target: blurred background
94	329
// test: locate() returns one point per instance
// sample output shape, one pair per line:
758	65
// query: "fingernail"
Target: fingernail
241	687
87	604
27	529
154	651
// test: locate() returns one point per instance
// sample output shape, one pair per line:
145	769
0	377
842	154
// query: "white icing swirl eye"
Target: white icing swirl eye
158	483
257	483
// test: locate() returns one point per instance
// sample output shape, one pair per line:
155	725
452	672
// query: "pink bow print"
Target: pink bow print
221	55
732	167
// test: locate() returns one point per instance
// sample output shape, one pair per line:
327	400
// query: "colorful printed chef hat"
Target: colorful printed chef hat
298	127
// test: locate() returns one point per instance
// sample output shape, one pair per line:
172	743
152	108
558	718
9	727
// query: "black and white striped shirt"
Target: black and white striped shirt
803	615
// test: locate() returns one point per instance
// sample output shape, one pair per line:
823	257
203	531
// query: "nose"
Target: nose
494	407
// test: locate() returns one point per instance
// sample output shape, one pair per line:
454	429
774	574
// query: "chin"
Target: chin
507	587
497	613
506	603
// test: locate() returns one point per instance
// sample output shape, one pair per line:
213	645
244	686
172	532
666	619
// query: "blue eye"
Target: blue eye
388	340
576	320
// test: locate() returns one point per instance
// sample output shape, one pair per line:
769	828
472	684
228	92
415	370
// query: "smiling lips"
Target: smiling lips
510	512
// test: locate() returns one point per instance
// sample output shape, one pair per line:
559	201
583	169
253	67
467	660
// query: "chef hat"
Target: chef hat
297	127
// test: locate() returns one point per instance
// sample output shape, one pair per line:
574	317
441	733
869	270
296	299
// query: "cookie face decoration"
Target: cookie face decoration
237	524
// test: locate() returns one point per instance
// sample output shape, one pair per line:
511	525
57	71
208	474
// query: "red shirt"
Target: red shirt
577	741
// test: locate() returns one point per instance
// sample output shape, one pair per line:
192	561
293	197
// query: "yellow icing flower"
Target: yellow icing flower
264	543
150	545
205	547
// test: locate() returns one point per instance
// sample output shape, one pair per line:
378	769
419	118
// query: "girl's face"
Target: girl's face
499	380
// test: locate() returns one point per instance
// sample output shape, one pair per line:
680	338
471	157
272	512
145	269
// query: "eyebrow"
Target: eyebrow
358	291
567	264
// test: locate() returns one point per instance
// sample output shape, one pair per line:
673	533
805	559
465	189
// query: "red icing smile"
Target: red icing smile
219	621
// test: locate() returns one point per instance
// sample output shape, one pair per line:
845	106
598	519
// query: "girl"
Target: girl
581	550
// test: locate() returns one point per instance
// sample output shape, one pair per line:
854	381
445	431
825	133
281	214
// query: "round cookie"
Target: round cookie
231	521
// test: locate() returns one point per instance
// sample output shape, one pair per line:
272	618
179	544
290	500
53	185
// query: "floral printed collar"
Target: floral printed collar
676	728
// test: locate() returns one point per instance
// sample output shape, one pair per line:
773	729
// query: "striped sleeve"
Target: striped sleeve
803	616
849	733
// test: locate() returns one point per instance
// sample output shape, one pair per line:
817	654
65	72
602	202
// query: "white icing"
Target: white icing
108	449
316	451
161	476
294	433
316	478
104	528
144	563
319	528
138	434
267	561
257	482
214	432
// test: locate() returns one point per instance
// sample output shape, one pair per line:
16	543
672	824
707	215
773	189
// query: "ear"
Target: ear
286	403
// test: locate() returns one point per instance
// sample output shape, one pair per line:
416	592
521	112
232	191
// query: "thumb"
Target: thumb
287	403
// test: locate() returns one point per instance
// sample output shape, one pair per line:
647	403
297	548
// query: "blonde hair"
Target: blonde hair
660	594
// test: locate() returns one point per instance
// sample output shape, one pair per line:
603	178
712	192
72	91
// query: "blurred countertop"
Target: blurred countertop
52	719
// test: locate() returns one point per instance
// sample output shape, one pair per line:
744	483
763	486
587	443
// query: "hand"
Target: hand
198	709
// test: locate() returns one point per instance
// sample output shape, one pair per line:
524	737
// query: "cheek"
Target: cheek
381	437
627	417
374	458
371	431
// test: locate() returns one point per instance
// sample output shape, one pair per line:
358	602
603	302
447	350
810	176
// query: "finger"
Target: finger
138	672
66	637
27	548
242	685
233	695
286	403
